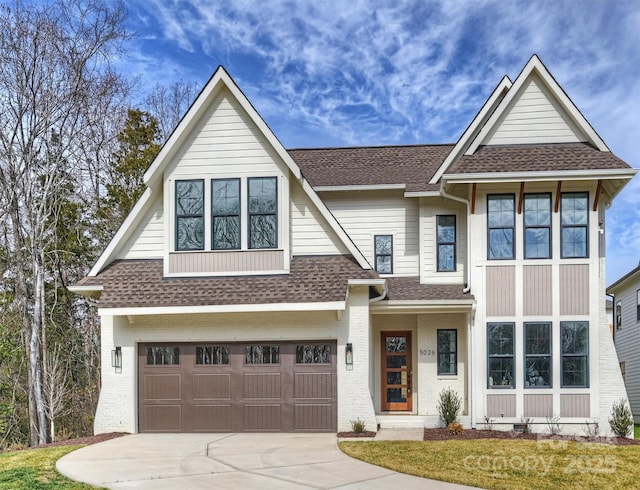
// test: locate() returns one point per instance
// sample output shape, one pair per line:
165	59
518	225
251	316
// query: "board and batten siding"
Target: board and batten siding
575	405
574	289
147	240
537	290
501	405
500	290
226	261
365	214
537	405
534	117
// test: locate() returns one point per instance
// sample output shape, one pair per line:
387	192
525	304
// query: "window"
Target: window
501	224
263	209
575	223
537	355
261	354
619	314
225	214
638	305
575	354
447	351
537	226
623	371
446	243
189	215
163	356
383	245
212	354
313	354
500	355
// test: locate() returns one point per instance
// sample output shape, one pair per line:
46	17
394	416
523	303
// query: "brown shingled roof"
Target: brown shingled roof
139	283
410	165
410	289
525	158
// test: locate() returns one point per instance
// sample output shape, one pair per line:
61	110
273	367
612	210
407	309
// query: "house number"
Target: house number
427	352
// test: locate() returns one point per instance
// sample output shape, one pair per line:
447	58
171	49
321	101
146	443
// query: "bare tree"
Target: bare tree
169	104
56	387
56	82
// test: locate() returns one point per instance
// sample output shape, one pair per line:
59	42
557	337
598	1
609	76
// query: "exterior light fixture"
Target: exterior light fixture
348	354
116	359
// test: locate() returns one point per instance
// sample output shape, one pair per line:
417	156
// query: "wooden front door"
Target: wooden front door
395	359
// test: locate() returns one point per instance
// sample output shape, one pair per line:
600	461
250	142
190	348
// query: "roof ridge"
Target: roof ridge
416	145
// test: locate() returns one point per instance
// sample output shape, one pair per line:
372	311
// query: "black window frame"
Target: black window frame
618	313
564	226
250	214
448	353
511	356
226	215
446	244
376	254
512	198
527	355
537	227
179	216
638	305
565	356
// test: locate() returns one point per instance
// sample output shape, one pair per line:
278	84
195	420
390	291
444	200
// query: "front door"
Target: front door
396	370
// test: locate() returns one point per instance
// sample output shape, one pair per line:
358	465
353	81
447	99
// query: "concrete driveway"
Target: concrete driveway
283	461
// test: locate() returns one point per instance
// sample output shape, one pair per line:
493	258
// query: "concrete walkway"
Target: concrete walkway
265	461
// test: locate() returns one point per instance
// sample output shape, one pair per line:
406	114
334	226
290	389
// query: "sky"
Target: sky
356	73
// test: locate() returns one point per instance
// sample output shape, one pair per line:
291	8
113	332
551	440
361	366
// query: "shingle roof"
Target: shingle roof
410	165
525	158
410	289
139	283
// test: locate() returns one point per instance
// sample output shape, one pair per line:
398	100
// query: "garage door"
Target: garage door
233	387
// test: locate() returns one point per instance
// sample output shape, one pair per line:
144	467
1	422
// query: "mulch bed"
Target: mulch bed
88	440
366	433
443	435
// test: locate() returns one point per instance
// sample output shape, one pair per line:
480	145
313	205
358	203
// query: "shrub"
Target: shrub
591	430
358	426
553	424
455	428
489	423
621	421
448	406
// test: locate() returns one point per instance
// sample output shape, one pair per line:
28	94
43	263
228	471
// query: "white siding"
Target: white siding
147	241
366	214
534	117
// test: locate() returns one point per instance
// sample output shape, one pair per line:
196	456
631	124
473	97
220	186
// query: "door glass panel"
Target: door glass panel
394	378
162	356
396	344
396	361
396	395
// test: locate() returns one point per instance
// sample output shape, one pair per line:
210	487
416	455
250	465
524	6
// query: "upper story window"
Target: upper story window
383	245
446	233
638	305
575	224
190	215
225	214
619	314
501	225
537	226
263	212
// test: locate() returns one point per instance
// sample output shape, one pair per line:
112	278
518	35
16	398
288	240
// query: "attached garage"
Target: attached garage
237	387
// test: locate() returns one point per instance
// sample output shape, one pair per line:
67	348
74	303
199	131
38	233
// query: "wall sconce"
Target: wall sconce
348	355
116	359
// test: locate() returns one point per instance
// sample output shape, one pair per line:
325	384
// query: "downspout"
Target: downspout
467	270
382	295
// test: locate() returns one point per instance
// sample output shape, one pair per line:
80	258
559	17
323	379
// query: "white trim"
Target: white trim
423	194
541	176
366	282
185	310
372	187
227	273
85	289
427	306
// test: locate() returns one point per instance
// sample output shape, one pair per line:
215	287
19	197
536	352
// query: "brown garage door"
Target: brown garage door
233	387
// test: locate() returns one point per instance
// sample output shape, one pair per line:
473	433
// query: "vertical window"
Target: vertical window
501	224
500	355
189	214
619	314
575	354
225	214
447	351
446	243
537	352
638	305
623	371
383	245
575	224
263	209
537	226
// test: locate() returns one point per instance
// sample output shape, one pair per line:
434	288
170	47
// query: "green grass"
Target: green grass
507	464
636	431
35	469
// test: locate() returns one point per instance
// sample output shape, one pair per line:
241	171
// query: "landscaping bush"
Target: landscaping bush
358	426
455	428
449	406
621	421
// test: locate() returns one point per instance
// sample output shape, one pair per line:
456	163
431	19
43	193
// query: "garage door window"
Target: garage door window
212	354
313	354
163	356
262	354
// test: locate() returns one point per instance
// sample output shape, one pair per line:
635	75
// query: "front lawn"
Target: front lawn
507	464
636	431
35	469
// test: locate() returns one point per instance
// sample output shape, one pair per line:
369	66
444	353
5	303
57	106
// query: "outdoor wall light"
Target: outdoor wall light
348	355
116	359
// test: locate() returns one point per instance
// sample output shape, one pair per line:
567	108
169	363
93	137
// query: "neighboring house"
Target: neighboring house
626	312
254	288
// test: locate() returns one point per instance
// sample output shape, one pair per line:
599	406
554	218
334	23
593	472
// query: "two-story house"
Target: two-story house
255	288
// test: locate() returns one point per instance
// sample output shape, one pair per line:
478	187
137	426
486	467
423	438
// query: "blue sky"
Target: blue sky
336	73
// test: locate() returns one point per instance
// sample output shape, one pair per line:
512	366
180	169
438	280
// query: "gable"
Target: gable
147	239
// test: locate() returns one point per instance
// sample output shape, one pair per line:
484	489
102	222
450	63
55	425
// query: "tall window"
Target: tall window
189	214
501	224
575	224
446	243
500	355
638	305
537	226
447	351
383	245
225	214
619	314
575	354
263	209
537	352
